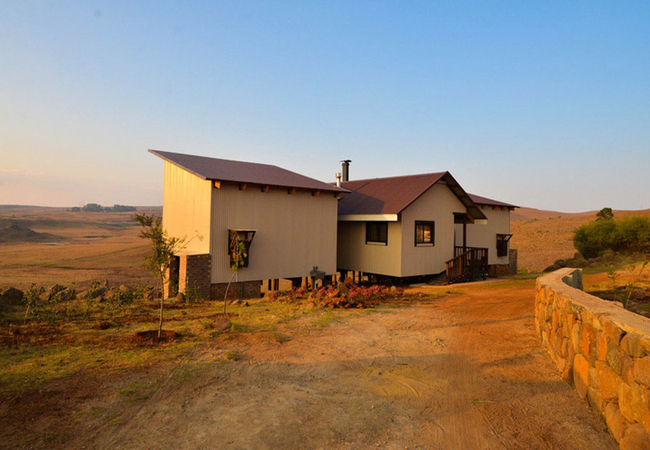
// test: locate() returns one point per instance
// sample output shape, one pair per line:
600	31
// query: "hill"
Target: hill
542	237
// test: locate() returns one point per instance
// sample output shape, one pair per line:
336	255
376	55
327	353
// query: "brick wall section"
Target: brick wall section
512	257
251	289
194	273
601	349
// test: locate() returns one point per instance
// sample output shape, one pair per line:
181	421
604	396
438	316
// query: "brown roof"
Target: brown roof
392	195
488	201
243	172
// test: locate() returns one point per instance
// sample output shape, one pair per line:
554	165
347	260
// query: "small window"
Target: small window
239	244
377	233
424	233
502	244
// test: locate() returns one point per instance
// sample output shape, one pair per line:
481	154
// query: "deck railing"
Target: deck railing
469	263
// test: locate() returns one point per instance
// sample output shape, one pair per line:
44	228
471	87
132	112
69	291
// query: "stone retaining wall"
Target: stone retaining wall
601	349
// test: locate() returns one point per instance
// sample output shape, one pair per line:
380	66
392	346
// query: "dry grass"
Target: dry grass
542	237
95	246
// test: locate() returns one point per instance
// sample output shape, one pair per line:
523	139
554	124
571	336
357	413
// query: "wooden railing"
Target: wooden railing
469	263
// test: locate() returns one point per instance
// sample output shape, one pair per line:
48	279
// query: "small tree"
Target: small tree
163	248
605	214
238	255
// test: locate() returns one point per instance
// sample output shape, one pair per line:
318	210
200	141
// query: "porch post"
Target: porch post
464	235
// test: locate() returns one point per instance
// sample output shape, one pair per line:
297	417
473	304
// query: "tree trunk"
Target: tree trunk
225	297
162	302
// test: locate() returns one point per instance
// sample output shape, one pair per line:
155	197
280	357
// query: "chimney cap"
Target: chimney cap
346	161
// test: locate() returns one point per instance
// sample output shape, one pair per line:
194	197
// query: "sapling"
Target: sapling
238	254
631	286
163	248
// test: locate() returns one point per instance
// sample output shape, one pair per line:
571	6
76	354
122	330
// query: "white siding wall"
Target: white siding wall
294	232
437	204
486	235
186	208
355	254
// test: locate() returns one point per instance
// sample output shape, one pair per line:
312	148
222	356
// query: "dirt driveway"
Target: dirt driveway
464	371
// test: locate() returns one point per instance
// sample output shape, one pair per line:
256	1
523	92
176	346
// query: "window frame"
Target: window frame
417	243
369	224
504	240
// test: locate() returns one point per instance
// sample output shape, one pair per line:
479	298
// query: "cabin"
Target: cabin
405	227
288	223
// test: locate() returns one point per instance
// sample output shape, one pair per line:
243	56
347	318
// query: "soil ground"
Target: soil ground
461	371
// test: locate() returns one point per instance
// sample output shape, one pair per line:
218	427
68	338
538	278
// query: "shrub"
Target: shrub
630	234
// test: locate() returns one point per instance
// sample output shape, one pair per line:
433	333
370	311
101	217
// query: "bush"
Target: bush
630	234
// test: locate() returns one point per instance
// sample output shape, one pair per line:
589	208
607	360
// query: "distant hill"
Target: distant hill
13	233
542	237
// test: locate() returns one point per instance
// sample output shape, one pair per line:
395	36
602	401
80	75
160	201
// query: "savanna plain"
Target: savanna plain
431	367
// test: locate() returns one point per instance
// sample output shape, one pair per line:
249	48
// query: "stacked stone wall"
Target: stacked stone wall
601	349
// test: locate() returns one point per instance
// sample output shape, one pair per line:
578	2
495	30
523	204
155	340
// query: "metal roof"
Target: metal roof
488	201
243	172
394	194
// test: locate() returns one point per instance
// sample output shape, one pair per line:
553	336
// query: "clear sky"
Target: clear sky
542	104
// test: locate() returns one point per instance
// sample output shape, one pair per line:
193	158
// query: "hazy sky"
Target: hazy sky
540	104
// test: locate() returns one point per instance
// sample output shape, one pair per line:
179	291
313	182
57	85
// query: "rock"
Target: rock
609	381
343	288
12	297
625	401
578	257
631	344
57	292
615	421
222	325
641	371
637	294
180	298
636	438
581	375
393	290
587	336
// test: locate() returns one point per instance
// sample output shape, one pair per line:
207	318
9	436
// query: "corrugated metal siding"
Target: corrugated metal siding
438	204
355	254
486	235
186	208
294	232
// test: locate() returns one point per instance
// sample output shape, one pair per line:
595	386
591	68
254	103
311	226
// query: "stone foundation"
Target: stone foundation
240	290
194	274
601	349
512	257
498	270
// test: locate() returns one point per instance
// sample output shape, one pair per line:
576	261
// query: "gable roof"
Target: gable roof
488	201
394	194
243	172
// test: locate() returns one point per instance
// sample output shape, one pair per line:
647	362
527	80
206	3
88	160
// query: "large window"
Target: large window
502	244
425	232
377	233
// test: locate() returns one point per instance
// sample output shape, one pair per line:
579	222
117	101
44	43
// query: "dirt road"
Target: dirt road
464	371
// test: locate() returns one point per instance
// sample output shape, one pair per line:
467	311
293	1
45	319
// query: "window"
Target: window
424	233
377	233
502	244
239	242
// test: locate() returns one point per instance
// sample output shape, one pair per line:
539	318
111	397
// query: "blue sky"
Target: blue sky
543	104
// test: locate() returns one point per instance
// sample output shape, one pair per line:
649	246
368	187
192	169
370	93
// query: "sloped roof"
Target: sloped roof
394	194
243	172
488	201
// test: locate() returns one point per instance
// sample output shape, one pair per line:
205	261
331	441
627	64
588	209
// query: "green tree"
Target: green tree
163	248
605	214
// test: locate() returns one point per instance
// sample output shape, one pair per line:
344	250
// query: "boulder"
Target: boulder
12	297
222	325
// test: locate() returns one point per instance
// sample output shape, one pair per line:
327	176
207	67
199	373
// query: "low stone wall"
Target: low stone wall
601	349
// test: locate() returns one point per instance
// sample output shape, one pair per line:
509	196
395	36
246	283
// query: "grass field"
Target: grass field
90	246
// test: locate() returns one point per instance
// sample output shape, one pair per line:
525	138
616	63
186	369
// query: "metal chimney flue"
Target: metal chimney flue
338	179
346	169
